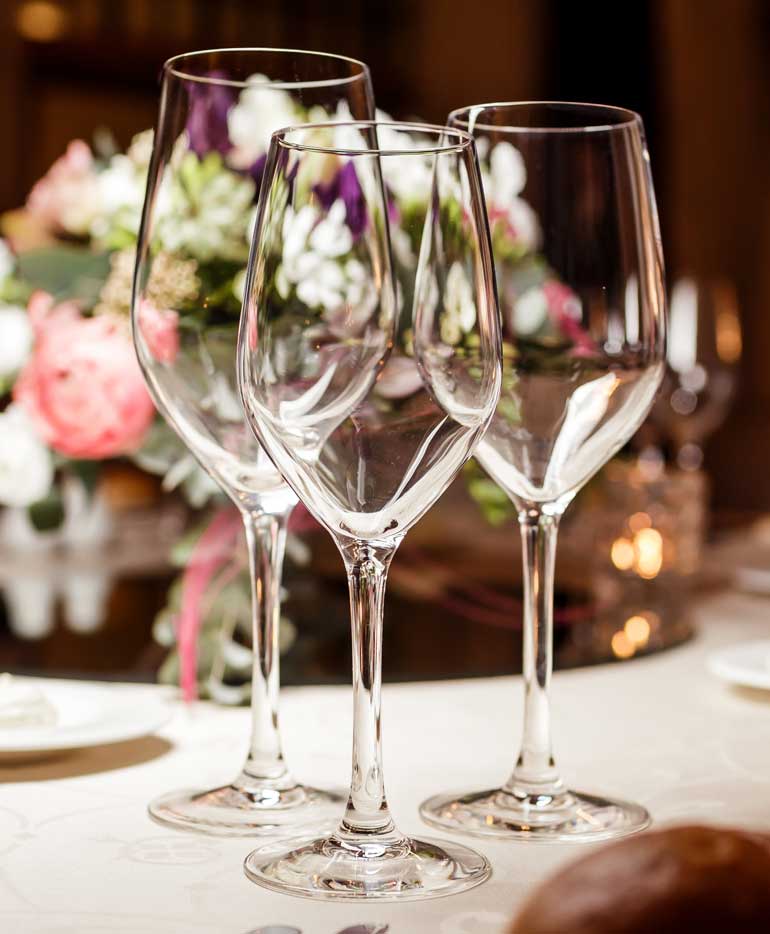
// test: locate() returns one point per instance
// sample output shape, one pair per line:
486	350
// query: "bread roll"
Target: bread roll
677	880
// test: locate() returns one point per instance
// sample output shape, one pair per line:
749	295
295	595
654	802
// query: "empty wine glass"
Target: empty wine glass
704	349
217	112
580	281
369	365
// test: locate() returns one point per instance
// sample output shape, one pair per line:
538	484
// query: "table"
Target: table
78	853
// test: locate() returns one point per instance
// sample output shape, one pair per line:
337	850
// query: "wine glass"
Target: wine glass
217	112
369	367
704	349
580	281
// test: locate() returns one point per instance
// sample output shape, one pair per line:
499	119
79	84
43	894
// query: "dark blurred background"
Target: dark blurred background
697	70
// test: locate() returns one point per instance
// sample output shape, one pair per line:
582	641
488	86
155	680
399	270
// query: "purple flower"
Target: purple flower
345	185
256	171
209	104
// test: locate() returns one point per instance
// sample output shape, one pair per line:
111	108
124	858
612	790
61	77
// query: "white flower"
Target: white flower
121	189
323	286
332	236
459	306
15	340
239	285
296	229
409	178
120	185
121	195
26	465
211	223
504	179
251	224
7	261
402	247
261	110
348	137
524	222
507	173
140	150
312	246
314	264
530	311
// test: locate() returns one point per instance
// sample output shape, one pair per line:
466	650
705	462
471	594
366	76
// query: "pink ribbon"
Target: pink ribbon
213	549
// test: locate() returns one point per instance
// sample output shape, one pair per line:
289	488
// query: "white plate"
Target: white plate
753	578
88	715
747	664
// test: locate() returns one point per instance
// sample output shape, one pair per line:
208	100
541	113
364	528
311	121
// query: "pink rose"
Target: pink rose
67	197
160	331
565	312
82	385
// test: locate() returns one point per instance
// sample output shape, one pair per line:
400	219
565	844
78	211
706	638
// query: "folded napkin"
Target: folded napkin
22	704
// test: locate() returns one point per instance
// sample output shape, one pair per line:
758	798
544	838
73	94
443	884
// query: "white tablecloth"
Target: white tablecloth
78	853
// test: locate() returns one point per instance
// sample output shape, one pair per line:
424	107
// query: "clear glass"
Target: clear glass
369	365
580	281
703	354
217	112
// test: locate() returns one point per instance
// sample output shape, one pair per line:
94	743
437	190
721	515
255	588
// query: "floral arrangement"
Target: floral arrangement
76	393
71	392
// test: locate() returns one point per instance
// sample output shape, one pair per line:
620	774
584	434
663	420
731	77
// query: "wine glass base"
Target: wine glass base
329	868
568	817
232	811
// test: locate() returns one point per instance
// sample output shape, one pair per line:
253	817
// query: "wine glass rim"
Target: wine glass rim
171	67
616	118
464	139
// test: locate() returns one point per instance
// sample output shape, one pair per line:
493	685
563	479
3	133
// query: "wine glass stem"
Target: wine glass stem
367	815
266	541
535	774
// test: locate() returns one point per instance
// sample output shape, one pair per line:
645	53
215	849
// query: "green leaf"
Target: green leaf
14	292
67	272
493	502
87	472
119	238
182	549
47	514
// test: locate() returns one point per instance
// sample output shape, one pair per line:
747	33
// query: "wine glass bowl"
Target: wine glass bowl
704	350
369	387
583	354
580	281
338	380
218	110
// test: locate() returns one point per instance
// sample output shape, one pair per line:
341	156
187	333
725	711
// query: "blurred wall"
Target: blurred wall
697	70
711	74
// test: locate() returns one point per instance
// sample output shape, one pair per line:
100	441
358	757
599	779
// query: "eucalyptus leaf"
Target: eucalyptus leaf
87	471
47	514
66	272
161	448
182	550
14	292
168	673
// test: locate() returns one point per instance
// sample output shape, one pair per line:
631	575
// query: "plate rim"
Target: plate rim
151	714
726	671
